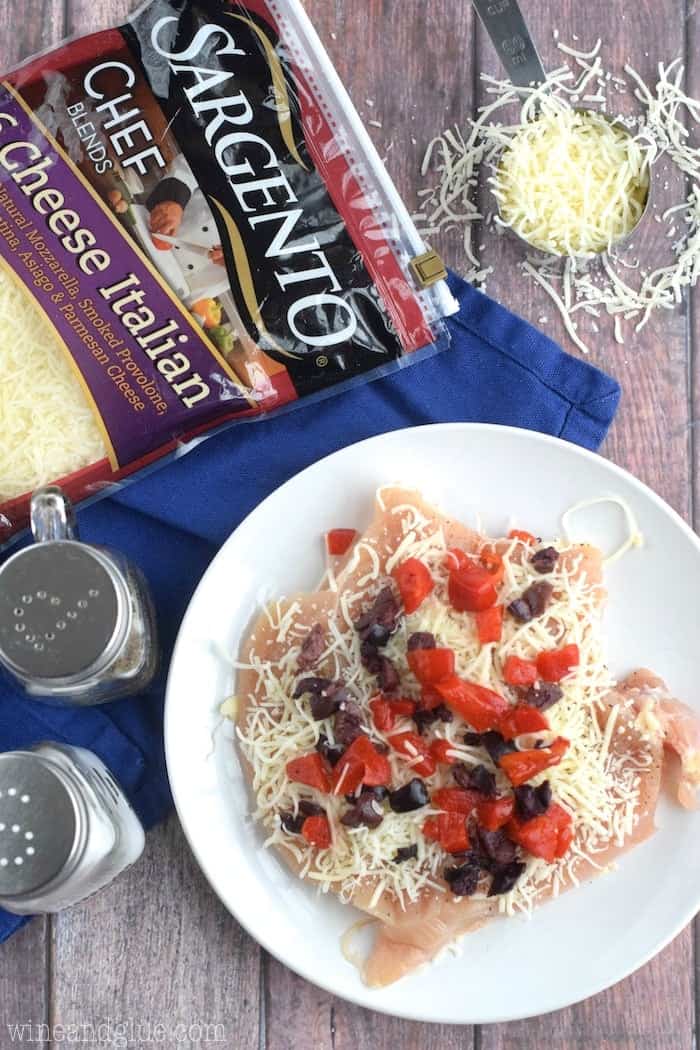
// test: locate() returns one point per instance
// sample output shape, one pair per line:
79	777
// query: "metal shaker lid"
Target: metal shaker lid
64	608
63	611
41	828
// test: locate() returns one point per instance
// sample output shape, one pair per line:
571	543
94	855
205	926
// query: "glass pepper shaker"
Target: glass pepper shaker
66	828
77	624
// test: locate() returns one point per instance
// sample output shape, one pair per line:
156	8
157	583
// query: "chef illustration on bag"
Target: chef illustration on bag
179	209
175	224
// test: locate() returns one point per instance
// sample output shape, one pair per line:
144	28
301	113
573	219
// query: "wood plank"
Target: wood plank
41	24
299	1015
413	62
693	433
158	948
649	435
24	959
654	1009
86	16
24	981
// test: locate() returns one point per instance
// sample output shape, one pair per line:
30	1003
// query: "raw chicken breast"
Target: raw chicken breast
413	931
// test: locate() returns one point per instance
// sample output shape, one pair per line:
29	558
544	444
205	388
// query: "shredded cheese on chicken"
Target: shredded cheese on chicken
596	786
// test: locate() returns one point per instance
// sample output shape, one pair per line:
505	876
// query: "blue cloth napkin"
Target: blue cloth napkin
498	370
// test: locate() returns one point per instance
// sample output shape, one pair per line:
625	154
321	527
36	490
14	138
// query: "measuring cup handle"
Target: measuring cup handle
504	23
52	515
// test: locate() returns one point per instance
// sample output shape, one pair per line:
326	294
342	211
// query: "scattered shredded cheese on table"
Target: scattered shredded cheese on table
613	283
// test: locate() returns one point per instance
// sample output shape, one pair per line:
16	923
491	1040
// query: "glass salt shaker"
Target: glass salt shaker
77	625
66	828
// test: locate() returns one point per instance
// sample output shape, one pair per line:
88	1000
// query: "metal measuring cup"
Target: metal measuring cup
506	27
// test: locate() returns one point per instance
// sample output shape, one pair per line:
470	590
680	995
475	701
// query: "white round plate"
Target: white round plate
571	948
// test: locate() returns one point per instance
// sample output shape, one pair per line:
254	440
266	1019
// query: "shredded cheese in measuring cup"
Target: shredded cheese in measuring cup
572	183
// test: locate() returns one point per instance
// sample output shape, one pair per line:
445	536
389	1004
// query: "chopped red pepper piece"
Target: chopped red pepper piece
339	541
494	565
455	800
385	712
403	707
348	776
414	748
517	671
547	836
557	663
492	814
317	831
382	715
524	537
440	749
480	707
376	771
310	770
456	558
522	719
471	590
521	766
489	624
449	830
414	582
430	665
429	698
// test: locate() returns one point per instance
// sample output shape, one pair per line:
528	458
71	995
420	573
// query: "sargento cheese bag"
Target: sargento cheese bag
194	230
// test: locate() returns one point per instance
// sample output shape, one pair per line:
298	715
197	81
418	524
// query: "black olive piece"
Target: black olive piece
413	795
463	880
389	680
421	640
532	802
424	719
323	706
544	560
520	610
384	612
312	648
366	811
292	824
330	752
538	597
406	853
543	696
495	848
532	602
477	779
495	745
369	657
348	723
315	686
505	878
379	794
472	739
310	809
377	635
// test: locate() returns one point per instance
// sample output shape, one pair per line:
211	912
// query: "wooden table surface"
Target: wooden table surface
157	947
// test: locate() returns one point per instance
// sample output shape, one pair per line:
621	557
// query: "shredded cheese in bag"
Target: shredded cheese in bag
46	421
